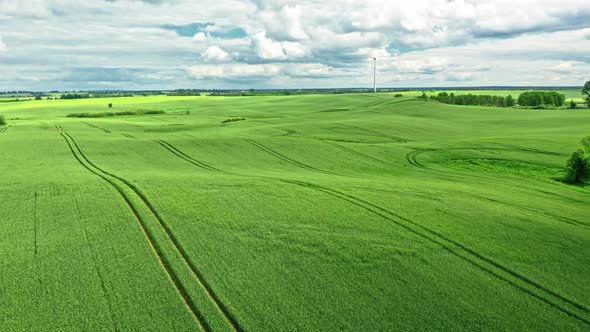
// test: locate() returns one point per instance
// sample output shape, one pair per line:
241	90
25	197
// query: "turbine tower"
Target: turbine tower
375	75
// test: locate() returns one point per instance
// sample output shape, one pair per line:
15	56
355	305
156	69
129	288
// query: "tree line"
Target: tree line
527	99
474	100
540	98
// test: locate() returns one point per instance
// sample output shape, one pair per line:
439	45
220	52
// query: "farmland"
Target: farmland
319	212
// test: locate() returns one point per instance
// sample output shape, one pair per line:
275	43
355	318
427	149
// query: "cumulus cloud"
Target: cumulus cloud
215	53
2	45
200	37
236	71
285	42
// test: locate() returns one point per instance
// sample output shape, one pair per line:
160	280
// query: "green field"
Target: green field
320	213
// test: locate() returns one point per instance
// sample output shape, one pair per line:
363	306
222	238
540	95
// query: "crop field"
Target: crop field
320	212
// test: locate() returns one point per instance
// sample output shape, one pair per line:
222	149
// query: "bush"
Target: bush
576	169
578	166
397	95
233	120
2	120
107	114
573	104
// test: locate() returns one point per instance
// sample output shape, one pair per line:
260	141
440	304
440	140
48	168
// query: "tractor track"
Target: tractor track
360	154
129	136
177	152
286	159
96	266
374	133
110	178
411	158
480	261
97	127
35	243
570	221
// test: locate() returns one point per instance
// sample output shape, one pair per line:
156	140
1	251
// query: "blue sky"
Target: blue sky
161	44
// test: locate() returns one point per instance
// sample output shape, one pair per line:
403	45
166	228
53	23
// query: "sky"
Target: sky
241	44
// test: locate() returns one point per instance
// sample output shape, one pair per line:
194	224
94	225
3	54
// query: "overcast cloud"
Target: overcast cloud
156	44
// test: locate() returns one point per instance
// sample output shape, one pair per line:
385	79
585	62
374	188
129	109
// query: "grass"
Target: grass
321	212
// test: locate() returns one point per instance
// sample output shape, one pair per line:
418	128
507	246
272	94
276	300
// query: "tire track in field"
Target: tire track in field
378	133
480	261
285	158
35	224
412	158
177	152
532	210
3	129
163	262
532	150
96	265
198	276
129	136
97	127
372	132
360	154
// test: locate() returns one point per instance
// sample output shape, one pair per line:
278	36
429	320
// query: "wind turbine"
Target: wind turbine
375	75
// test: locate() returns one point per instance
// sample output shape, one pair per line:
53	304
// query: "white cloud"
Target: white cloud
235	71
267	48
215	53
2	45
200	37
313	43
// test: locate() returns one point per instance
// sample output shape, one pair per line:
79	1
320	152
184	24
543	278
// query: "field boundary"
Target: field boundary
525	284
189	302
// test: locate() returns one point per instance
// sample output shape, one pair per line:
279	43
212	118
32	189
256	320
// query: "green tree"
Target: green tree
586	92
2	120
509	101
573	104
578	166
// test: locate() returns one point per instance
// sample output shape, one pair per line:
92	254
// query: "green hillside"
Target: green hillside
319	212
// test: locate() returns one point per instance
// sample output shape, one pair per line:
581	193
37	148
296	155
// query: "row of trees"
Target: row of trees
184	92
539	98
474	100
75	96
